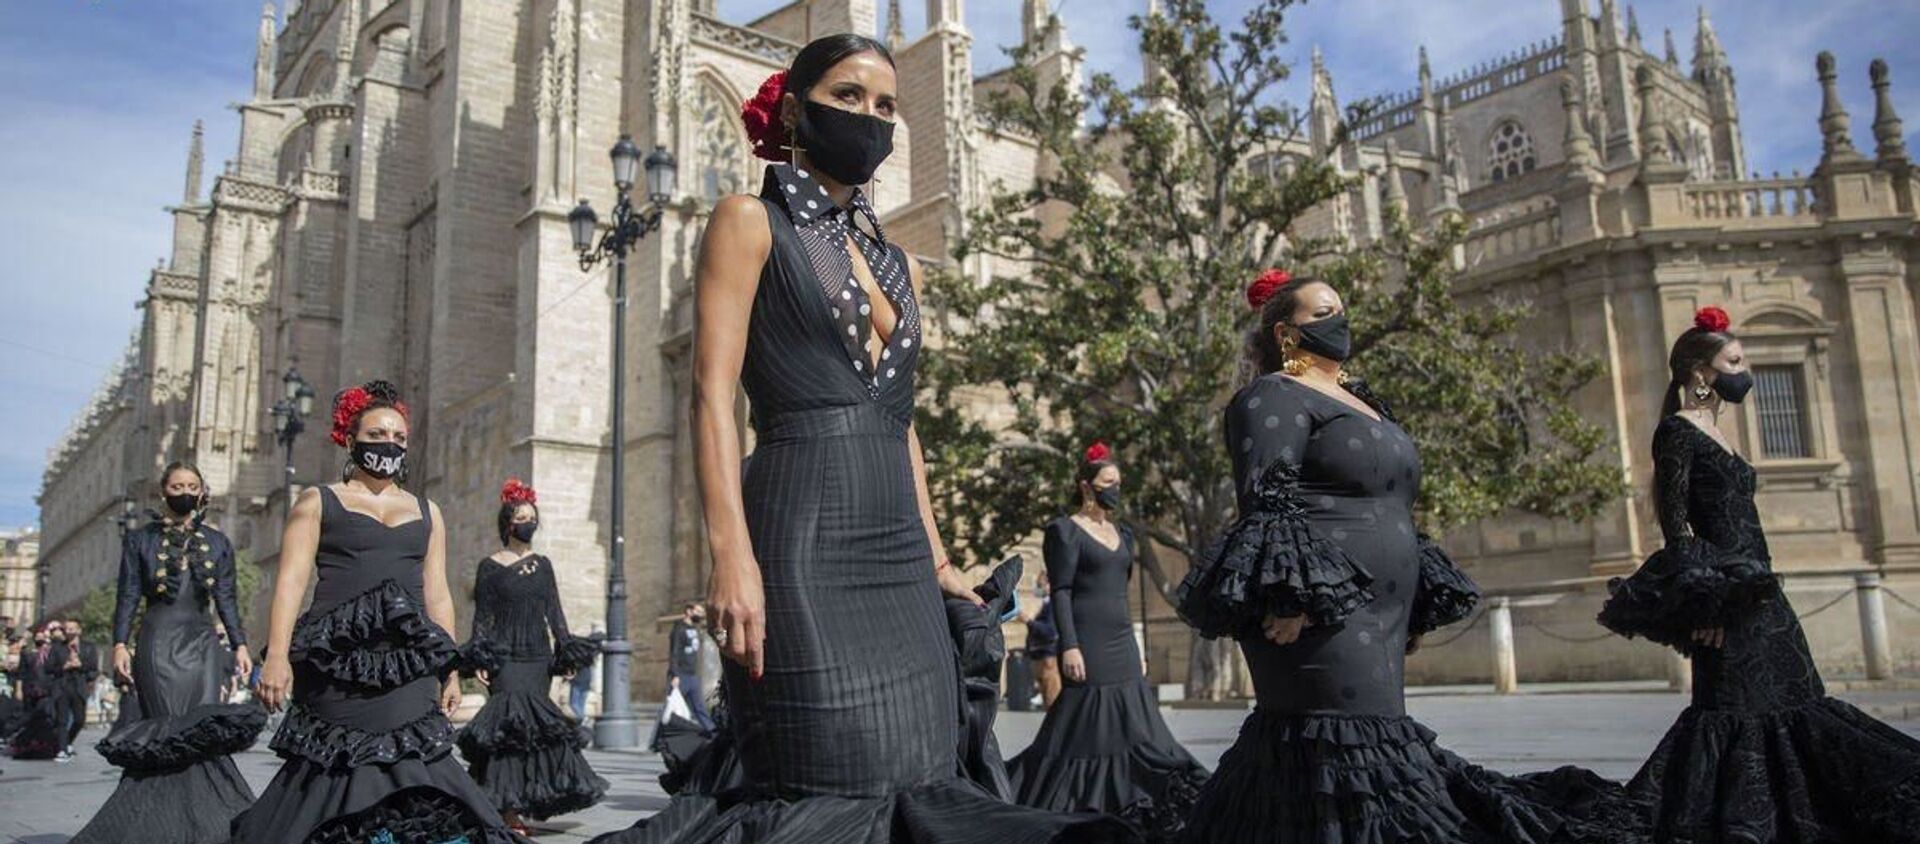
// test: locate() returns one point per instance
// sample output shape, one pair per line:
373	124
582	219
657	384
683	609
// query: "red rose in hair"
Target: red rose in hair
1098	452
762	118
1267	284
516	493
347	407
1712	319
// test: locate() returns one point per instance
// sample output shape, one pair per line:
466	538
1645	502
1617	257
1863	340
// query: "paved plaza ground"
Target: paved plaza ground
1607	731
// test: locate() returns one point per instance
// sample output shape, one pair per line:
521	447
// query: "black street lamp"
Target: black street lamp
289	419
617	726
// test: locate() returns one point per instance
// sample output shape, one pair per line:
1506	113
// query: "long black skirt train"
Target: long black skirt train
174	738
1105	747
523	751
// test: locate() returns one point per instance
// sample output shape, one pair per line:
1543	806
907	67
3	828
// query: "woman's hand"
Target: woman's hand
1074	665
122	663
738	602
1710	637
486	677
450	695
242	662
276	682
953	584
1284	631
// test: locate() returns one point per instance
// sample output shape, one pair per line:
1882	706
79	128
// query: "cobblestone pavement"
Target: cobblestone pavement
46	802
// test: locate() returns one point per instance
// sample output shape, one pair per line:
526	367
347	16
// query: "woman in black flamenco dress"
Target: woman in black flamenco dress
1103	745
841	682
1762	754
175	733
521	748
43	661
1327	585
369	667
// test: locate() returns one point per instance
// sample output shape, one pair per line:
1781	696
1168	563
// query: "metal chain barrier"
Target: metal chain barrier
1899	598
1826	606
1477	616
1575	640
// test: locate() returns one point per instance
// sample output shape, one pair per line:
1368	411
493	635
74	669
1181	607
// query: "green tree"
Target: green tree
1124	318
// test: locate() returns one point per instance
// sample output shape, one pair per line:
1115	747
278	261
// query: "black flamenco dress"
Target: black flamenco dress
852	734
1762	754
175	735
39	734
1329	754
521	749
369	755
1103	744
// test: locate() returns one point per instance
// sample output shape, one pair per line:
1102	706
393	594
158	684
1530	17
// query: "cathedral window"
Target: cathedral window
1780	408
721	149
1511	151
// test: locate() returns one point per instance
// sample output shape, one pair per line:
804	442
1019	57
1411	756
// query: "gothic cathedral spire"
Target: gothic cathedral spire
263	55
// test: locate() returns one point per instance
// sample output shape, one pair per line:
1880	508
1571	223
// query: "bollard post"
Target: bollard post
1506	678
1679	673
1874	645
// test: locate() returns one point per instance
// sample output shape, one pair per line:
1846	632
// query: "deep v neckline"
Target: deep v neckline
1369	414
1702	431
523	566
371	517
896	342
1118	540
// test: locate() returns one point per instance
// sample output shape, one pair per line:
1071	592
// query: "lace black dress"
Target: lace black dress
174	735
852	735
369	756
1103	744
1762	754
520	747
1329	754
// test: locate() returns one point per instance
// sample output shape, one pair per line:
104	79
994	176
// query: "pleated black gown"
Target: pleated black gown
369	756
1762	755
174	735
520	747
852	734
1103	744
1329	755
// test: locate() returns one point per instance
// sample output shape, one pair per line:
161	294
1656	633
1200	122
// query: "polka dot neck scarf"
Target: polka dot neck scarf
824	230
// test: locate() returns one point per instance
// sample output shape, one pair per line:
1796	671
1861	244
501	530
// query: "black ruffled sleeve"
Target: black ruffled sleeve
1272	561
1691	584
570	653
481	652
1446	594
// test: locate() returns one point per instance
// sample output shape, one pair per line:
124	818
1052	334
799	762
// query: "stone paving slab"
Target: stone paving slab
1607	731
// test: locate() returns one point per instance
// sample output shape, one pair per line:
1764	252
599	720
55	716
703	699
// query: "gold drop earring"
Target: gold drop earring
1701	390
1292	364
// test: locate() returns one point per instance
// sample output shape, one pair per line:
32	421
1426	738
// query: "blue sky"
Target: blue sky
101	95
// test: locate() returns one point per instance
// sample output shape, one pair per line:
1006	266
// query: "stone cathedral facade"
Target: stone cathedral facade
397	209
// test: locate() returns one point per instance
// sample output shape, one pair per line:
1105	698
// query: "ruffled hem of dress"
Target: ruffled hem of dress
339	746
1446	593
516	722
1139	786
1688	585
378	639
204	732
573	654
950	812
1823	771
1104	748
1271	562
541	784
419	815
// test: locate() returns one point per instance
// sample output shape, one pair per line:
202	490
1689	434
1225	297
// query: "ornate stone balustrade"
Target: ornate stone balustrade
777	50
1768	201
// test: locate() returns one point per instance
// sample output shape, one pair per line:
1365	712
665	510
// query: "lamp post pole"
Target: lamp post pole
289	417
617	726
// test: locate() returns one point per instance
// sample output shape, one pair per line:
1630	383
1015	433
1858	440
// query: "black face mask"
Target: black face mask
523	531
1108	498
183	504
845	145
1733	386
1330	338
380	460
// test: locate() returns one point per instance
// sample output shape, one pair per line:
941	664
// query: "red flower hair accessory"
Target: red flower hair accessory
1098	452
762	118
347	407
516	493
1264	286
1712	319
